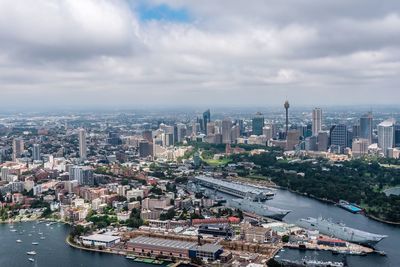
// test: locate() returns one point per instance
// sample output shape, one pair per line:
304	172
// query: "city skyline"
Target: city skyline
179	53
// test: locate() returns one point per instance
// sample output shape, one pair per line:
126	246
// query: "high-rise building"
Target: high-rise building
114	139
366	127
226	131
258	124
386	135
211	128
82	144
145	149
180	130
338	137
206	119
148	136
36	152
267	131
316	121
360	147
292	139
311	143
83	174
18	148
235	133
397	135
323	141
4	173
356	131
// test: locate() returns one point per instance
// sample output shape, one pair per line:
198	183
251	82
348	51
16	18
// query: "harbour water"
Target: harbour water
51	251
303	207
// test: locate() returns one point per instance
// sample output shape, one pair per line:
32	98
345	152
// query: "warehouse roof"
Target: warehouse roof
101	238
159	242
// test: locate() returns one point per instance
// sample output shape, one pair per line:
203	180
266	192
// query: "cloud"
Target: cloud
183	52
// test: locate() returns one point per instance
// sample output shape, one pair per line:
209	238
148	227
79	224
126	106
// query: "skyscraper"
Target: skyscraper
316	121
292	139
36	152
18	148
366	127
397	135
338	136
206	119
258	124
360	147
82	144
386	135
323	141
226	131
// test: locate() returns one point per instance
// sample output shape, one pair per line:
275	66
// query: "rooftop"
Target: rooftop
159	242
101	238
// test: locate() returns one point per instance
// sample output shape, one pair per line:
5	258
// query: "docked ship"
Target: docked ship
339	230
258	208
311	263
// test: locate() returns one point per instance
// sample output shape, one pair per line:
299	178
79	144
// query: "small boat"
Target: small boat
130	257
31	259
35	243
13	230
42	237
31	252
19	241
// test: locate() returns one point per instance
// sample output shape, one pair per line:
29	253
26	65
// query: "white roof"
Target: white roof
101	238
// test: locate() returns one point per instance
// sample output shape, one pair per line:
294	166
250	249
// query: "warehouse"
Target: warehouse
99	240
152	247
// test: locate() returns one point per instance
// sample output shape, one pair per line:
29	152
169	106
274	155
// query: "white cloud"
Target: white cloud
98	52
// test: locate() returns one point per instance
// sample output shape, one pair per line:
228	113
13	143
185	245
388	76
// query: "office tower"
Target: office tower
311	143
206	119
226	131
211	128
286	106
360	147
235	133
323	141
386	135
114	139
168	139
356	131
397	135
293	139
267	131
258	124
145	149
148	136
18	148
338	137
316	121
82	144
305	130
180	130
240	123
36	152
366	127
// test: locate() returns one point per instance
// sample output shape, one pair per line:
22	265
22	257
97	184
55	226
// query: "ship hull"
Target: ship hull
258	209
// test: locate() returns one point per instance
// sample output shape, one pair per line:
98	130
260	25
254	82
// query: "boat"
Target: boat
311	263
353	208
19	241
13	230
340	230
130	257
31	252
258	208
35	243
42	237
31	259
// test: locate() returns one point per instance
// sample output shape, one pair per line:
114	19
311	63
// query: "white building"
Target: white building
386	135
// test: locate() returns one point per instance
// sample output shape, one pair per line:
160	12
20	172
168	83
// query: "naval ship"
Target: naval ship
258	208
311	263
339	230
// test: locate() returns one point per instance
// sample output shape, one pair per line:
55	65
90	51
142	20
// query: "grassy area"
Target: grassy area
217	162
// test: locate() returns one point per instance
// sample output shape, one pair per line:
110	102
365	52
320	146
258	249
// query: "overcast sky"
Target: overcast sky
198	52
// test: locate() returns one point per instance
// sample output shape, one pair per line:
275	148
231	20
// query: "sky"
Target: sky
154	53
